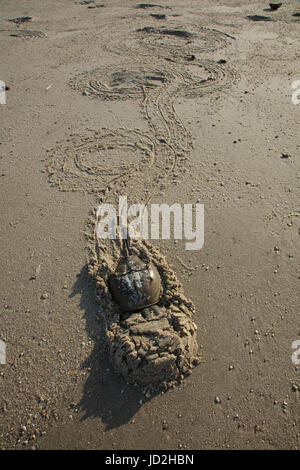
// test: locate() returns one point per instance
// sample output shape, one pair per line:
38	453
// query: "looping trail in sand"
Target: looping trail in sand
155	347
173	40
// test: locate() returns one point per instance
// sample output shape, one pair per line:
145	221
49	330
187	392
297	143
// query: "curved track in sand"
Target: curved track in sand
154	352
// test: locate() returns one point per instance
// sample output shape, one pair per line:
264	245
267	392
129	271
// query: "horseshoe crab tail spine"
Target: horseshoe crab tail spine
126	247
125	242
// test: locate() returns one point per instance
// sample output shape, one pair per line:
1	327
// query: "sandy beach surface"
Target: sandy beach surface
176	102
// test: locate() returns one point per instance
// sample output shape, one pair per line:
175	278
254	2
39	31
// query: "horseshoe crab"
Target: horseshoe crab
135	284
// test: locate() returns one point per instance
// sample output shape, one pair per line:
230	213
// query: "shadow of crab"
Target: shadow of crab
105	394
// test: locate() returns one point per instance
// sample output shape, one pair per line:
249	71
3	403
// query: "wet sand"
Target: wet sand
174	104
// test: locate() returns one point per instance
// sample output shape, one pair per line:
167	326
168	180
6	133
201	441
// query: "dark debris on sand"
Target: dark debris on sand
167	32
150	5
259	18
20	20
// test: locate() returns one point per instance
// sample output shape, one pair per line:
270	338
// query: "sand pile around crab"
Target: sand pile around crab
155	347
